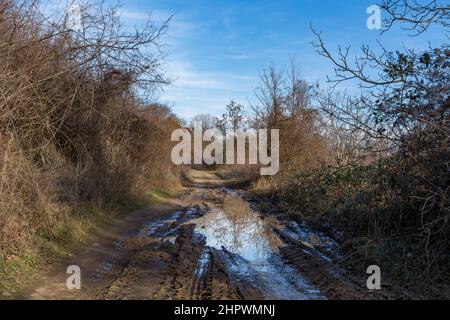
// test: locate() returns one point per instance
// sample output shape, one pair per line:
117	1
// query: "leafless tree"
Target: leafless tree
395	84
404	104
269	111
208	121
234	115
416	15
285	102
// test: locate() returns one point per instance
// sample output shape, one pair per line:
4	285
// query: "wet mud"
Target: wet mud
214	244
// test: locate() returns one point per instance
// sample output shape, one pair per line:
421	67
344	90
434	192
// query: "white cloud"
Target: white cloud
239	56
141	16
194	91
178	25
186	76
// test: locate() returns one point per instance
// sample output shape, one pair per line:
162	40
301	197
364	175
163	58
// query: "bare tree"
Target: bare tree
233	118
269	111
408	90
285	103
416	16
234	115
404	103
208	121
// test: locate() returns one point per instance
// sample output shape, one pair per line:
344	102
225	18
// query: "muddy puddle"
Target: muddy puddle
248	248
223	236
219	247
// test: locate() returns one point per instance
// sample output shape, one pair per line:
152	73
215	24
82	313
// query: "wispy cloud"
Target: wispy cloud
239	56
141	16
186	76
195	91
179	25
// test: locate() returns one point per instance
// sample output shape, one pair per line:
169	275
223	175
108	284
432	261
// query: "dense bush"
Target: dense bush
394	210
383	186
73	131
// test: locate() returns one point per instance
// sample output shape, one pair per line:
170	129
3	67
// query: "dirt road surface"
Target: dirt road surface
210	242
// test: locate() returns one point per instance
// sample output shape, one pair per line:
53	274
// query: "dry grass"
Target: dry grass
75	138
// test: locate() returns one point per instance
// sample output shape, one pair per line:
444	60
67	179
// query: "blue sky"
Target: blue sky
216	49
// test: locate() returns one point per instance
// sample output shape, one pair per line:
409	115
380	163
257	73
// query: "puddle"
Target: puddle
202	264
250	253
245	236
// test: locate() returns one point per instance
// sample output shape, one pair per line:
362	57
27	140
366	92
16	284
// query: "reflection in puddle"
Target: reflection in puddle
244	236
249	251
202	264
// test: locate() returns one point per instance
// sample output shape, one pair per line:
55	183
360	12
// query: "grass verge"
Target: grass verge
18	271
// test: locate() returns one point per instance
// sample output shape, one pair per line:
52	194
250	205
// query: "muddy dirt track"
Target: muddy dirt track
211	242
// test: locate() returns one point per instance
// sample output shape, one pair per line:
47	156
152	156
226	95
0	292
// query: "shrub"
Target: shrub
74	132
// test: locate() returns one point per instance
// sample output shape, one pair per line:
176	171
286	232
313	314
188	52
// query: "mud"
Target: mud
212	242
